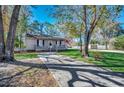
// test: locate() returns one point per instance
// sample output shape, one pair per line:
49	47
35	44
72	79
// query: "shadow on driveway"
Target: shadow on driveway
73	69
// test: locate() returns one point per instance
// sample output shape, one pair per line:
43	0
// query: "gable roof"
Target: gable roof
45	37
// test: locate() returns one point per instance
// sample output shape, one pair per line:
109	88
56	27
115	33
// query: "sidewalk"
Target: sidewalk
115	51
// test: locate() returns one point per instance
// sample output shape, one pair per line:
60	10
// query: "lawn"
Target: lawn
113	61
20	56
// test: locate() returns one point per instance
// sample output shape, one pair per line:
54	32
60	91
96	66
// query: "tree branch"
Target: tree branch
96	21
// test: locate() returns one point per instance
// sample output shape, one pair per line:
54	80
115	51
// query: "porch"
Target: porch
53	48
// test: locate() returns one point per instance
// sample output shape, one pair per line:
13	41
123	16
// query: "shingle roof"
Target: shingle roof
46	37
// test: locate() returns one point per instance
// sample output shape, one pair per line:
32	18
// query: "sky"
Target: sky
41	14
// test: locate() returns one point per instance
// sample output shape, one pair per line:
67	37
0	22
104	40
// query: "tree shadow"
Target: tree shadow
115	59
73	69
109	63
6	81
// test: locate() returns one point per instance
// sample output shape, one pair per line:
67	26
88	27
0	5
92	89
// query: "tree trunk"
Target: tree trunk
86	44
86	54
86	34
20	45
81	43
106	45
9	53
2	44
81	49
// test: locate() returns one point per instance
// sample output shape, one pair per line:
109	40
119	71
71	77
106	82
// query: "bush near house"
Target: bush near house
119	43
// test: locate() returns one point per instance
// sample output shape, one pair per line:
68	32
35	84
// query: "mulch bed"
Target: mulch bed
12	75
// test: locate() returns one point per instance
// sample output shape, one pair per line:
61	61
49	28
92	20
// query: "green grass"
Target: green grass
20	56
113	61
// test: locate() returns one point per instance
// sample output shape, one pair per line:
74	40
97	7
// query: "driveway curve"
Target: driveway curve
71	73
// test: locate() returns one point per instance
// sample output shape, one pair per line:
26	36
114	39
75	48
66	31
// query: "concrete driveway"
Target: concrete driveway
71	73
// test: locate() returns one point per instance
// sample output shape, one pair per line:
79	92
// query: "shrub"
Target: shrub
91	59
119	43
17	43
98	56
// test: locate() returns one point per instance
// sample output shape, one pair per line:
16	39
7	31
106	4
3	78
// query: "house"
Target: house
44	43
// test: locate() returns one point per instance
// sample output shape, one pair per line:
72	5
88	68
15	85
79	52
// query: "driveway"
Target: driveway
71	73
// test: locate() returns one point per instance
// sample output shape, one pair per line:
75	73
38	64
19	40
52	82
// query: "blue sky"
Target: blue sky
41	14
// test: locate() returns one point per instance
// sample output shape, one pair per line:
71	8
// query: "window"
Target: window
60	43
43	42
37	42
56	42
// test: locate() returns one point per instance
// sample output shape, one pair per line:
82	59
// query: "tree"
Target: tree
2	44
21	29
72	31
120	30
108	32
6	14
92	16
68	16
50	29
22	25
86	17
9	52
35	27
109	27
119	42
89	18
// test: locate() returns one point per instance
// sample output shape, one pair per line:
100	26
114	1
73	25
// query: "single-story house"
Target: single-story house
44	43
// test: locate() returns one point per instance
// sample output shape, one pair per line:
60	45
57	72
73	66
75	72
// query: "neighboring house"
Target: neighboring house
44	43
